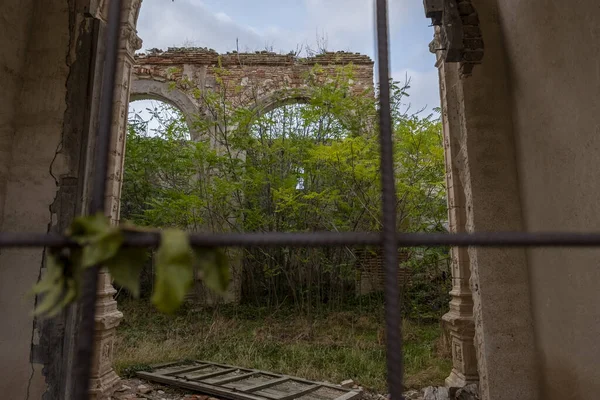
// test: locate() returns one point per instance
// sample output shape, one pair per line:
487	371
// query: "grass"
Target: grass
331	346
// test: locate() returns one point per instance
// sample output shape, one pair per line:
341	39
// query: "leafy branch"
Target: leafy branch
100	243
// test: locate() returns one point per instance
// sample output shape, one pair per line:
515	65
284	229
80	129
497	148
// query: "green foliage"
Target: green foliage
99	240
297	168
101	243
174	272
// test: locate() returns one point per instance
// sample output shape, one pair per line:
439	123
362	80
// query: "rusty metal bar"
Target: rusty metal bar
329	239
393	318
85	342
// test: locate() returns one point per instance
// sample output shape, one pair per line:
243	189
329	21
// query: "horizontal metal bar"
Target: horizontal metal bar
322	239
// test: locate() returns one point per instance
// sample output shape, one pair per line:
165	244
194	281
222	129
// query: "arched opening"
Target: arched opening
147	89
157	138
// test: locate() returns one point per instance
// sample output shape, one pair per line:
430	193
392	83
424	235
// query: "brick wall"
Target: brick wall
251	77
370	266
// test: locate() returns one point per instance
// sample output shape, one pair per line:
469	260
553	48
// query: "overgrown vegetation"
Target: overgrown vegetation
346	344
296	168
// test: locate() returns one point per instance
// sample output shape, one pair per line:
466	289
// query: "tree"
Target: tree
300	167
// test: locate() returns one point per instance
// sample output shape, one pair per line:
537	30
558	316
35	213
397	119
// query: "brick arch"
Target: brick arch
148	89
251	79
279	98
282	97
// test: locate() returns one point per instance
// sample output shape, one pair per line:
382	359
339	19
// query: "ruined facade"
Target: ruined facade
521	137
259	81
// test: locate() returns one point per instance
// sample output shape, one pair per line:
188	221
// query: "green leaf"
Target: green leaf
100	240
174	270
88	225
214	267
101	248
125	268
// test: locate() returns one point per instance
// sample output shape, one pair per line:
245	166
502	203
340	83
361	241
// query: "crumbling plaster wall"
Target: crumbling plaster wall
553	49
15	21
34	101
40	139
481	157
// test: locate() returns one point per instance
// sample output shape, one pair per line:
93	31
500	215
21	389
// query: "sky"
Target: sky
285	24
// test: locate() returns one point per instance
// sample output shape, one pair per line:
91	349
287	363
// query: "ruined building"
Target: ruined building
519	83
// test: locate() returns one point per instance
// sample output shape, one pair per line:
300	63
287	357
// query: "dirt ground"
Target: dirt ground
137	389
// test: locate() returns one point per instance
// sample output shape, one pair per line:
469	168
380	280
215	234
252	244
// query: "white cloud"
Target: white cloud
170	24
221	16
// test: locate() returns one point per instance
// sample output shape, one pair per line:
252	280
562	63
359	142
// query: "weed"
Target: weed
329	346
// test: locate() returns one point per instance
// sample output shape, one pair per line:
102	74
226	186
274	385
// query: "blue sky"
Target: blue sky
284	24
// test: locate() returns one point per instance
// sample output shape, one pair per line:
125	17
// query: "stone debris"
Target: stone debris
348	383
436	393
469	392
195	397
413	395
143	389
137	389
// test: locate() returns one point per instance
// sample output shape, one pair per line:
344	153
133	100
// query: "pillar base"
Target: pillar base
103	387
461	330
104	380
457	379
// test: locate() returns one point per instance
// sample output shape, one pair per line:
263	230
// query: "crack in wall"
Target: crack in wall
37	325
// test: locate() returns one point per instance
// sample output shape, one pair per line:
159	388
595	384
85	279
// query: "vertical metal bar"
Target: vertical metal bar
390	247
85	345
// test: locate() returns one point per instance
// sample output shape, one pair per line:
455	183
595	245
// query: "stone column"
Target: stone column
482	149
103	377
459	320
108	317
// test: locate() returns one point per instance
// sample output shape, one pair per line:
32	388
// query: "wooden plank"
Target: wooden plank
244	391
183	371
198	387
165	365
213	374
349	396
327	385
300	393
234	378
265	385
332	386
